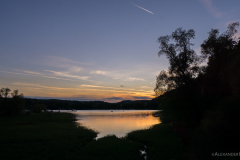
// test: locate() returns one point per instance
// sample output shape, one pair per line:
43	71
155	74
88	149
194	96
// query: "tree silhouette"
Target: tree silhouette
217	44
15	94
184	62
12	105
5	92
222	71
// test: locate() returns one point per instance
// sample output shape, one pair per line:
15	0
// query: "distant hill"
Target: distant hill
56	104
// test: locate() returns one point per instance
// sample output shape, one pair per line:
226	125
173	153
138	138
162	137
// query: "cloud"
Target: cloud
66	74
142	8
99	72
211	8
134	79
116	90
94	86
153	82
122	75
75	69
90	92
32	73
39	86
86	85
121	86
61	62
145	87
54	60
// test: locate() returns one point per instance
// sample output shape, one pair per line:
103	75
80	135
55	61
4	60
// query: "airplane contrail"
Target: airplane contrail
142	8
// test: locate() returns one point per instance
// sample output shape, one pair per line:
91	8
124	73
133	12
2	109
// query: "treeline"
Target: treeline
54	104
202	102
13	105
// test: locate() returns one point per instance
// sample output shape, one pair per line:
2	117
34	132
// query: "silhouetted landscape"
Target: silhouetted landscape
202	102
199	109
54	104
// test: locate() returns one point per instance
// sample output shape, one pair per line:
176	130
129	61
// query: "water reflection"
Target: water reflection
117	122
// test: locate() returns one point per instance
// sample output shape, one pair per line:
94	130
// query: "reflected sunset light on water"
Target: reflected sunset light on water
117	122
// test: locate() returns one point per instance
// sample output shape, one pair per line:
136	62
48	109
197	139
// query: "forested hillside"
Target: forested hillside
203	102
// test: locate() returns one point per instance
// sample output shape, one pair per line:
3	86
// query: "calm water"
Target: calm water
117	122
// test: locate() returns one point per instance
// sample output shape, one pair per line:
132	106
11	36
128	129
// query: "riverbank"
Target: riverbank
42	136
57	136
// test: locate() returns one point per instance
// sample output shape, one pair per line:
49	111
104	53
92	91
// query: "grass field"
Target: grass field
56	136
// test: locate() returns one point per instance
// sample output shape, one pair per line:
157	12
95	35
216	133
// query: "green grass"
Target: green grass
42	136
161	142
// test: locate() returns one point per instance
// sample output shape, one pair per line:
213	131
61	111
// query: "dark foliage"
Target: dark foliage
160	142
37	108
184	62
55	104
13	105
42	136
208	105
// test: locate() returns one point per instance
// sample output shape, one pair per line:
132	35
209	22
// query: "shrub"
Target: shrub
37	108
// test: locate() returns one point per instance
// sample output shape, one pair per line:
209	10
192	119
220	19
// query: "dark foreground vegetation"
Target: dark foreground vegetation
161	142
52	136
202	102
42	136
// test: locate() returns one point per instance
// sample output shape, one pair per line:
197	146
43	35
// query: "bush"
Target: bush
37	108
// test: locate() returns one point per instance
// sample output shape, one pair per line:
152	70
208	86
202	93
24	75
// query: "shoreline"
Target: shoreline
56	135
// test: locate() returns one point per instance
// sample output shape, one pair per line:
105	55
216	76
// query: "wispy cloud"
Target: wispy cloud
134	79
66	74
99	72
121	89
39	86
61	62
145	87
74	69
32	73
141	8
86	92
212	9
86	85
116	76
153	82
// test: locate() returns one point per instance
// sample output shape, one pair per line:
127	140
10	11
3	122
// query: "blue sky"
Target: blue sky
97	49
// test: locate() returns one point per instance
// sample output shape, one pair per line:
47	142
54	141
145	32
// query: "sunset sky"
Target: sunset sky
97	49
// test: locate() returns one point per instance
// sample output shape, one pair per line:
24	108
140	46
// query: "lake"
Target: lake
117	122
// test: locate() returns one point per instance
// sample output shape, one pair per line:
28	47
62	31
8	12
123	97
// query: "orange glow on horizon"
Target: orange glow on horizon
87	91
